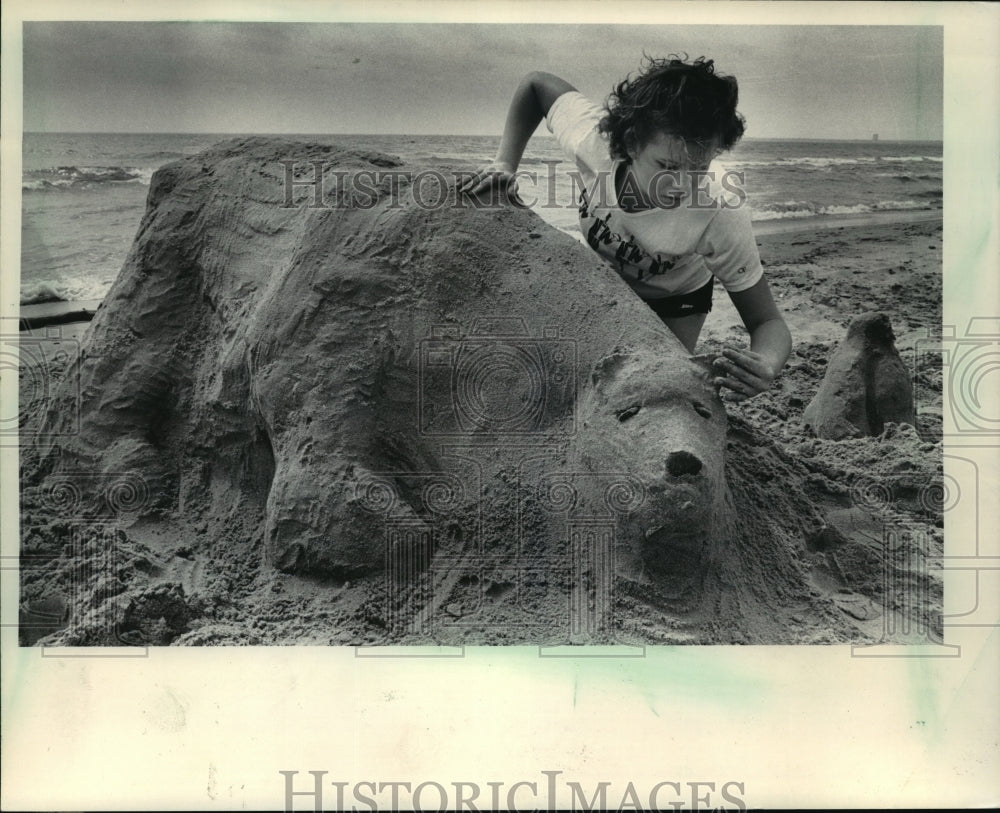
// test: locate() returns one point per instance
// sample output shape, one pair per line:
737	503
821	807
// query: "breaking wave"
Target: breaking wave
840	161
71	177
68	289
796	208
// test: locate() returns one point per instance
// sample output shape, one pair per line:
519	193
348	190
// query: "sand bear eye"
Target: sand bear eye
701	409
628	412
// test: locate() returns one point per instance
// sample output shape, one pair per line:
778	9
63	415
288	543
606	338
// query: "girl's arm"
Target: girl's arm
532	100
749	372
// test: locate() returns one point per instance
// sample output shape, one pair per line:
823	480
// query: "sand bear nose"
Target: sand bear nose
679	463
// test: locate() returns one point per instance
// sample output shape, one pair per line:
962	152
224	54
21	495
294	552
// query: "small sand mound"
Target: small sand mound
866	384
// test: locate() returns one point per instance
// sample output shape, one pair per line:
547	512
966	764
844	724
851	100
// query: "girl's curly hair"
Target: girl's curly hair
685	99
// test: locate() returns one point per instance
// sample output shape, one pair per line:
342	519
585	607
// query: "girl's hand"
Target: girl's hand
492	176
744	372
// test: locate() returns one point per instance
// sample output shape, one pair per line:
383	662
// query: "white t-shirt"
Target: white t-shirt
659	252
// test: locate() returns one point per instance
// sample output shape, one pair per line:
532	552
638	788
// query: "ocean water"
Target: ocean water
83	194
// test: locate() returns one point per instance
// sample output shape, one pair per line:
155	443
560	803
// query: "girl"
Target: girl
642	159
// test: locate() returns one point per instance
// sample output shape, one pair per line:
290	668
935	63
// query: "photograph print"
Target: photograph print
333	334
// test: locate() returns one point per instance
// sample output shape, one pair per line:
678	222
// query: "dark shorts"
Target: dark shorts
672	307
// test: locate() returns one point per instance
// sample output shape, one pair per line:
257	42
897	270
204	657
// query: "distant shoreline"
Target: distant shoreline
747	139
764	228
44	314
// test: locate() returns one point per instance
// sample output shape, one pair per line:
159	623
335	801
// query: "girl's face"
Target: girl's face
662	169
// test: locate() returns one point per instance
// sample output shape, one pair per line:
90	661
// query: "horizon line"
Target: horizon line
327	134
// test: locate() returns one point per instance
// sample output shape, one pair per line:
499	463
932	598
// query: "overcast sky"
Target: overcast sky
795	81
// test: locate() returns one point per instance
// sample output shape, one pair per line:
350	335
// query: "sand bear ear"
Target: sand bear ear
607	367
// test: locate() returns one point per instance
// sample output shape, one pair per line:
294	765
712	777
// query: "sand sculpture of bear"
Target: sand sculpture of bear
315	359
374	379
